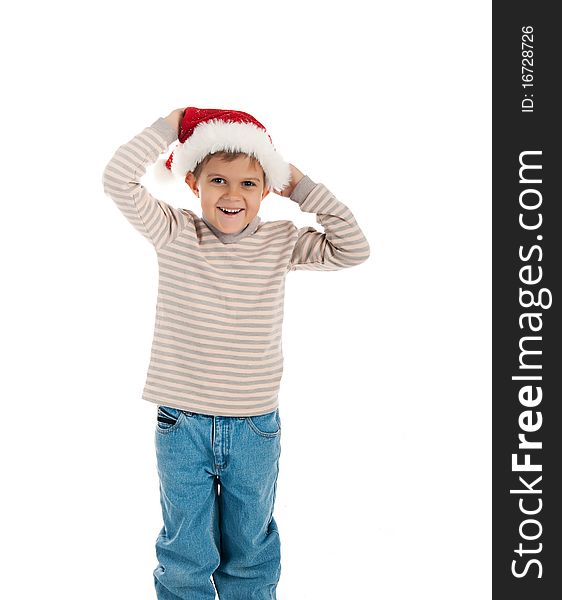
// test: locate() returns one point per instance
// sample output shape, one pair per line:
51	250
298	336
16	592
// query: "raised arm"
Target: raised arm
158	222
341	245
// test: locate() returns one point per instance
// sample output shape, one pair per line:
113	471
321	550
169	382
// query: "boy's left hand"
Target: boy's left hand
296	176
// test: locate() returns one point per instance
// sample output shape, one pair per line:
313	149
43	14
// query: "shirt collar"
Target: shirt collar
229	238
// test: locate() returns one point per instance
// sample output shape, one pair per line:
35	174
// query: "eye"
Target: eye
215	178
250	182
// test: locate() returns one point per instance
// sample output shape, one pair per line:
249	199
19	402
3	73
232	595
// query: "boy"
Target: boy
216	360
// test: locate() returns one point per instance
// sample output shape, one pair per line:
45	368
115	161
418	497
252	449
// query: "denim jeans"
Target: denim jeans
218	479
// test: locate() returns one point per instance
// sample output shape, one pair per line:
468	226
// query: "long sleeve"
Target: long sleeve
156	220
342	244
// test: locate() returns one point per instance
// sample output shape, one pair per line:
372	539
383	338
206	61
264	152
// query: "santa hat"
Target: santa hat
208	130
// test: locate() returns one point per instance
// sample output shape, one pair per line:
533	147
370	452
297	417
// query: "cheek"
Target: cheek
208	201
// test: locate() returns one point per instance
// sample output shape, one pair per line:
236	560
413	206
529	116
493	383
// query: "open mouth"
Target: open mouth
231	212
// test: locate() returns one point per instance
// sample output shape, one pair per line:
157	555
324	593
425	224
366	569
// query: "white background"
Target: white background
385	482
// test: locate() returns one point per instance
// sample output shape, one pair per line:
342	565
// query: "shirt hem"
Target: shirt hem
205	411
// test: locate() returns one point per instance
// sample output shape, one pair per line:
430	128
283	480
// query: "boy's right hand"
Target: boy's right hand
175	117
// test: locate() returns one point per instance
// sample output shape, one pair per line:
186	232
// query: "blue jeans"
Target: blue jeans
218	479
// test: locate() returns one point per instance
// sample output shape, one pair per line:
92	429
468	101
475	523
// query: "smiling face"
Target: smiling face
223	186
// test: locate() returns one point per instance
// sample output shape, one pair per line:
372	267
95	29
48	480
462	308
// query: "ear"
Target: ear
192	183
265	192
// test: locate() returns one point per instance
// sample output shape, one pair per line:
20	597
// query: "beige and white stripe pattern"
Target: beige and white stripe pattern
217	335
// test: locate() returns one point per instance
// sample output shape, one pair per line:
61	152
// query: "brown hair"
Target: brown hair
228	156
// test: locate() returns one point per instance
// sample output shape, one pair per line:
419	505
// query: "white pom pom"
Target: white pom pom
161	174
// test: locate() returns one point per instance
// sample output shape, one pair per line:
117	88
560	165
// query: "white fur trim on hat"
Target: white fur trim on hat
215	135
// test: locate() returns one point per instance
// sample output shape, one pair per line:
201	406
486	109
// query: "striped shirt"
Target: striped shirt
217	336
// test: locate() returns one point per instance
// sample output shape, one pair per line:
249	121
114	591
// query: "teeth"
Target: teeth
230	211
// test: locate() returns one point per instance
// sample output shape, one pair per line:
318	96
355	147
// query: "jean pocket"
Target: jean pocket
268	425
167	418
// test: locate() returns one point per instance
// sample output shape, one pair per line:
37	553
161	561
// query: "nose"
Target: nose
234	192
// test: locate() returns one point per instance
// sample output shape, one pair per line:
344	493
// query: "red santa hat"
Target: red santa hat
208	130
